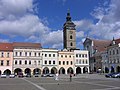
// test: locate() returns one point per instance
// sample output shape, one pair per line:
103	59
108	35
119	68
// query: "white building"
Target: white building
27	58
81	58
49	61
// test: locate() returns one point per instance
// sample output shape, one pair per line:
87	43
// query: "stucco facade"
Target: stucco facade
27	60
6	58
81	61
66	62
49	61
114	56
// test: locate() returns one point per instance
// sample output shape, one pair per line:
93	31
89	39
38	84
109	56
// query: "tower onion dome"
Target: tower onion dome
69	22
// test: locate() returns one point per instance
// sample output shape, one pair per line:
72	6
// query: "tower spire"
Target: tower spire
68	18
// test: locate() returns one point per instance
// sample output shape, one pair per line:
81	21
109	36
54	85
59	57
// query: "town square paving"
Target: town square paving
79	82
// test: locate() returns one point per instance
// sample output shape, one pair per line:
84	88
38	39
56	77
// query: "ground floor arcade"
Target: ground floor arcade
112	69
45	70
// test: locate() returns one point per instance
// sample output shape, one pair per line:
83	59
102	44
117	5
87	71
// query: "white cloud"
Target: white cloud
17	19
4	40
54	37
108	25
14	8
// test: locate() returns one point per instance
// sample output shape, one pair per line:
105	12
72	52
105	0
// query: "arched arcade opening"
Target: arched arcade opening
112	69
78	70
61	70
45	70
7	72
53	70
70	70
17	71
36	71
106	70
27	71
118	68
85	70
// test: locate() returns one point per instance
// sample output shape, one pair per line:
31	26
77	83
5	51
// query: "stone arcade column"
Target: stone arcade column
81	70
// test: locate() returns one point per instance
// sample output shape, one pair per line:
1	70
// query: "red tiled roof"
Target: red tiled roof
6	47
117	41
101	45
25	44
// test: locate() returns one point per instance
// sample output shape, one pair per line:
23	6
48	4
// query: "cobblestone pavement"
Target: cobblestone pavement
79	82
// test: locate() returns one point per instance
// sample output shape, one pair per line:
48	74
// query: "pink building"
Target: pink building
6	58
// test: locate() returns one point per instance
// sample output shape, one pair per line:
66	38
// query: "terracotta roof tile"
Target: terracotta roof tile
117	41
101	45
6	47
25	44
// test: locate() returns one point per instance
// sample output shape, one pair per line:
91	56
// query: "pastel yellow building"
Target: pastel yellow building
66	62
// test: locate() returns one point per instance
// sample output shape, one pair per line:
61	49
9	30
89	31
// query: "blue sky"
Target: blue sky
42	20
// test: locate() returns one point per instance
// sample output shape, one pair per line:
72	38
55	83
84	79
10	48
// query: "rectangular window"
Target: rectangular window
45	55
53	55
79	61
20	53
76	55
8	54
49	55
45	62
2	54
38	62
35	62
66	56
20	62
25	53
38	54
71	62
67	62
29	62
8	62
15	62
25	62
2	62
82	55
63	62
49	62
15	53
53	62
35	54
79	55
59	62
29	53
76	61
86	62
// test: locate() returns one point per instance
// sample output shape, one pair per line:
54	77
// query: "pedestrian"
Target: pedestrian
56	76
70	77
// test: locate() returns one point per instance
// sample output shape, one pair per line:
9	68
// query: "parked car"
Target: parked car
3	75
36	75
44	75
28	75
109	75
20	74
50	75
47	75
12	76
117	75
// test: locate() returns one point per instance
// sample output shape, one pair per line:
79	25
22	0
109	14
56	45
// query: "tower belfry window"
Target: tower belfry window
71	37
71	44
